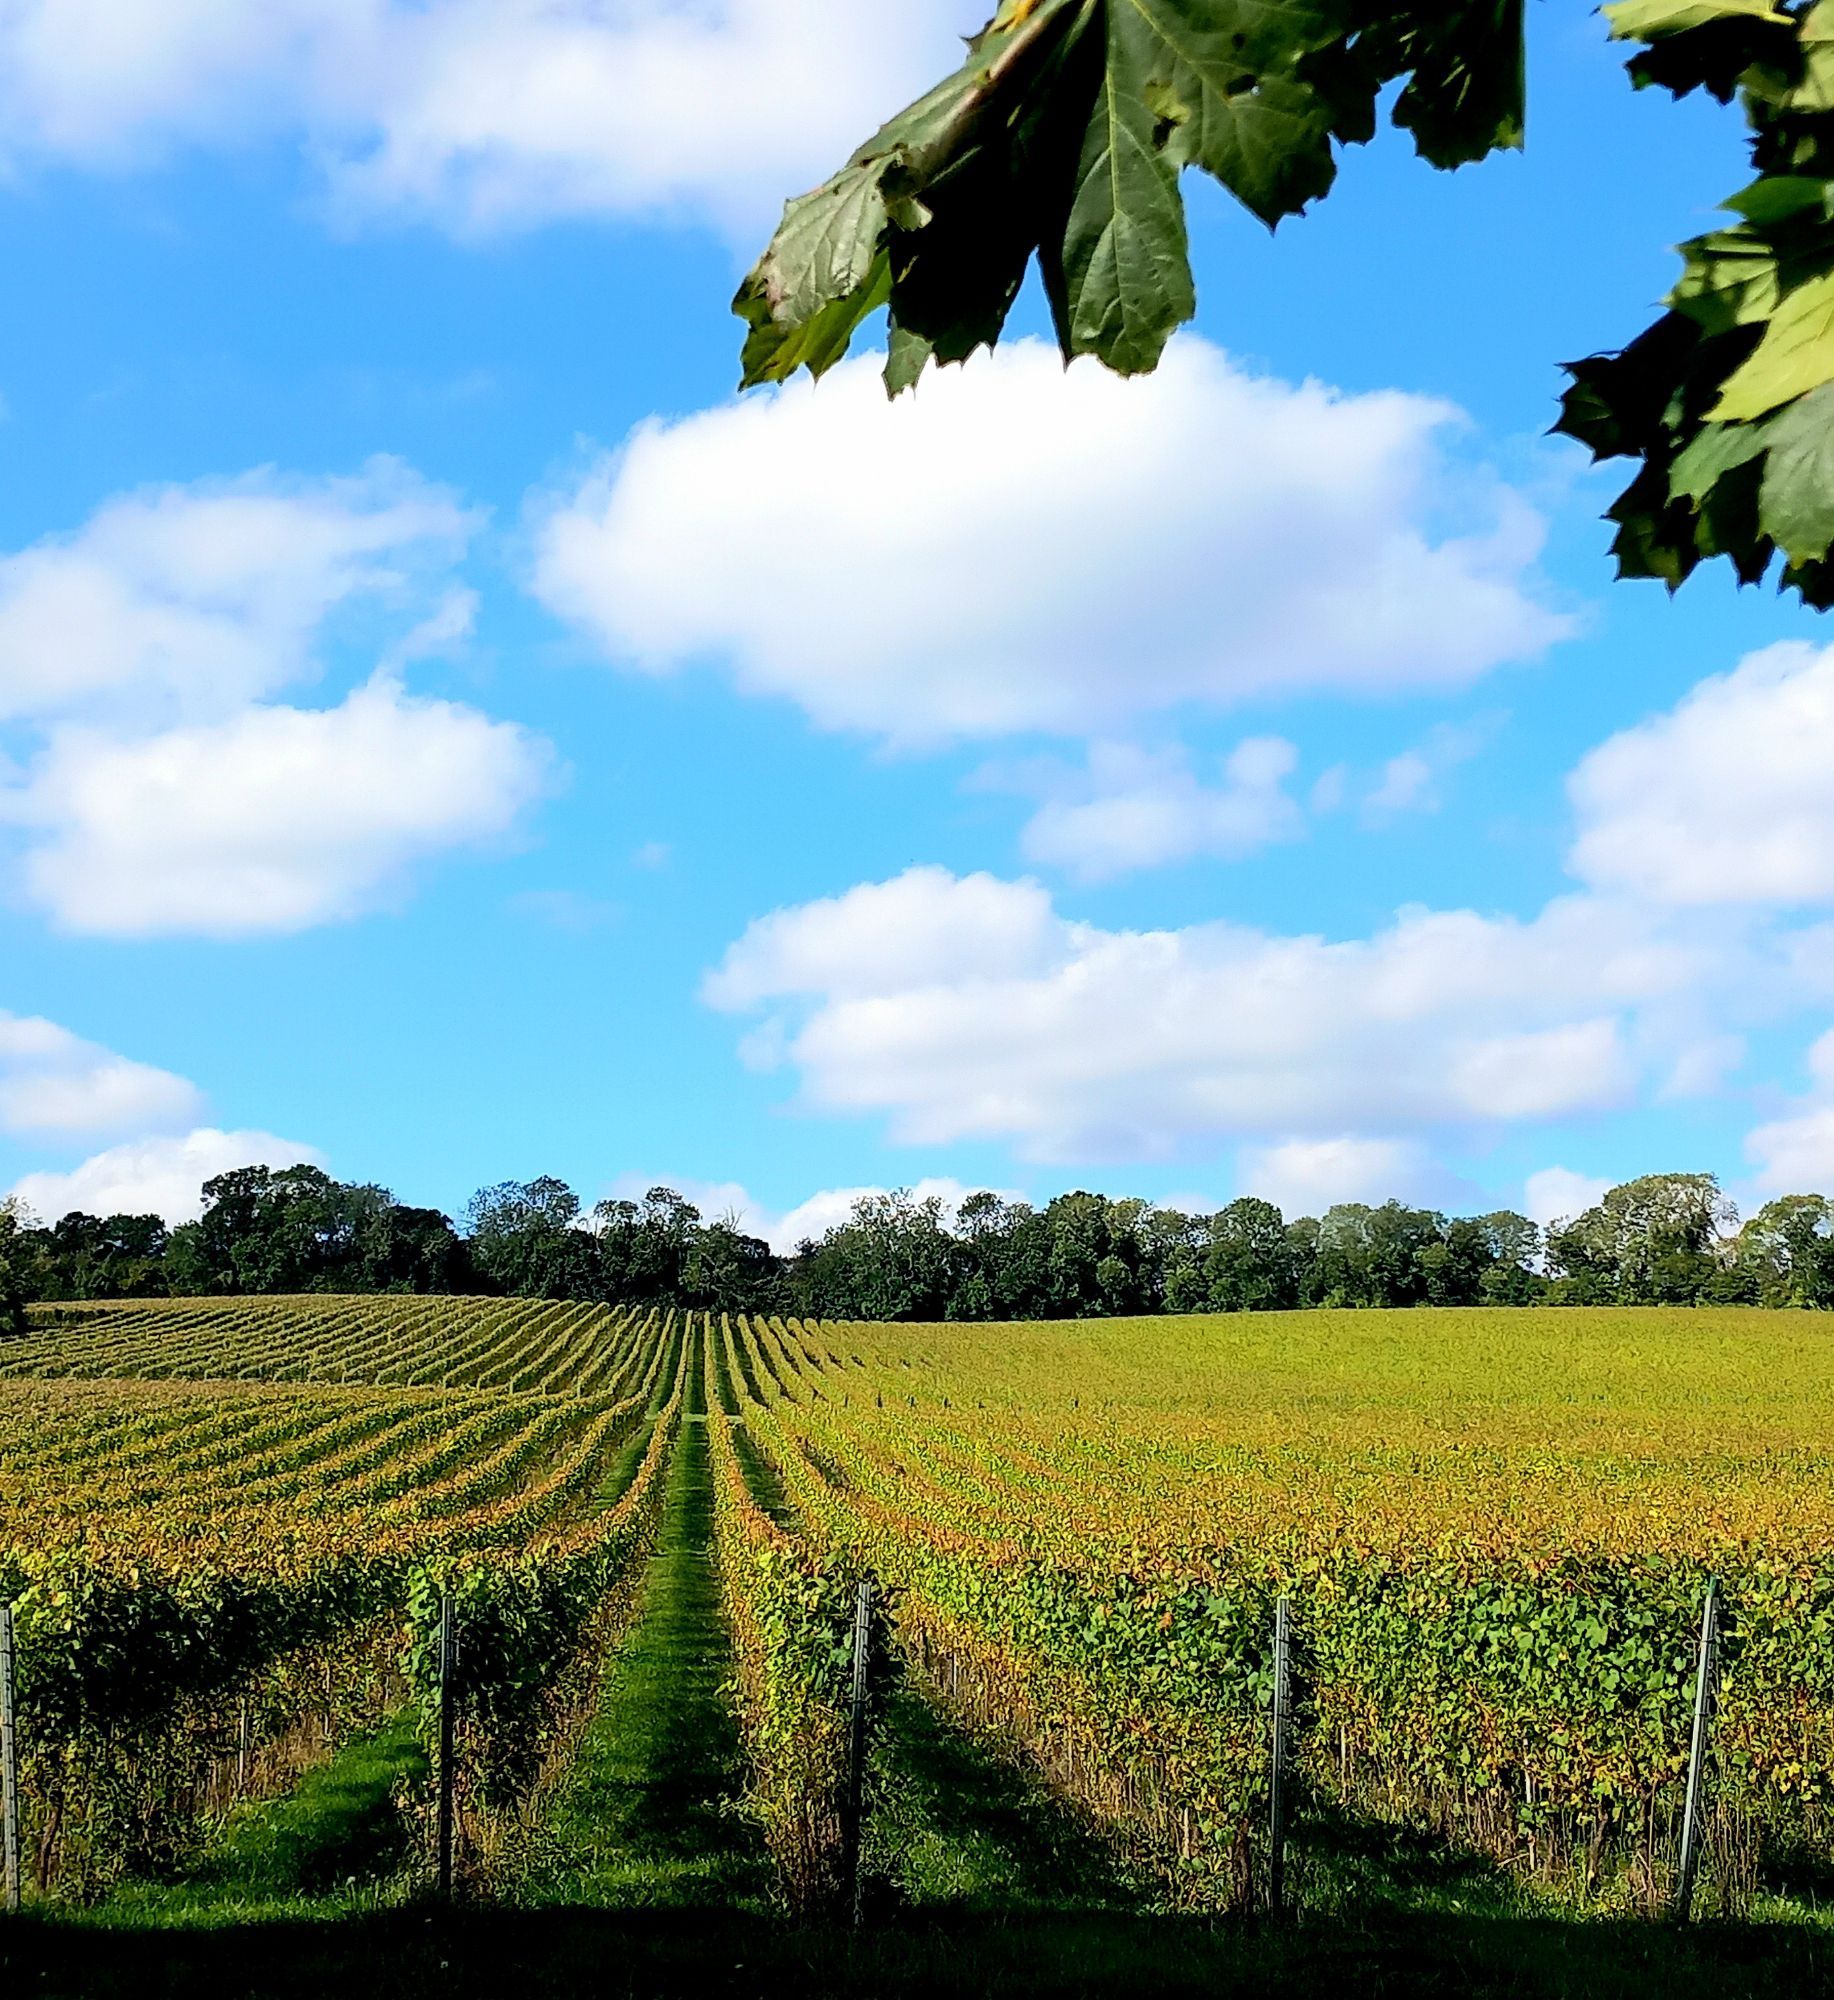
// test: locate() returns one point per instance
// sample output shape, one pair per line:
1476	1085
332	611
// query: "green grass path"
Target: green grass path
959	1829
643	1818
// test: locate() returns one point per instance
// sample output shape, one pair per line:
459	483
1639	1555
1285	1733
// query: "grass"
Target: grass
956	1829
645	1817
332	1845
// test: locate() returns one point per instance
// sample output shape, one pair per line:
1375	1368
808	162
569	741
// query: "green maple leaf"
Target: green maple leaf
827	269
1795	355
1125	280
1648	20
1063	137
1716	450
1466	93
1221	79
1796	502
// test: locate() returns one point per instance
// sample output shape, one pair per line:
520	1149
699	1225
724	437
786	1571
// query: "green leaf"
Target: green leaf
1219	77
1795	355
1731	279
1467	95
826	270
907	354
1780	198
1648	20
1715	451
1125	270
822	275
1796	503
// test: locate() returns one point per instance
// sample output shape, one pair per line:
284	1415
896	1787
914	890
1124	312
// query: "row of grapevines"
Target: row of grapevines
517	1344
1533	1701
528	1625
789	1614
173	1619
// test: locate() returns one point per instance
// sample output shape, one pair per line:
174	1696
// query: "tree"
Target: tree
524	1240
1063	136
1250	1266
893	1258
98	1257
288	1229
12	1274
1652	1241
1787	1248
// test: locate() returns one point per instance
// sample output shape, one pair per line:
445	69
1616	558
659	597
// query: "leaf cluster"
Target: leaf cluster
1063	136
1727	400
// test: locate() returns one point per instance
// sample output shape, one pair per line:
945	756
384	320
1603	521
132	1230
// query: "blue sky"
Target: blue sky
443	733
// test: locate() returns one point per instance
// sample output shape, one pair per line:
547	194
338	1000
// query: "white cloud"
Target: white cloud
52	1081
270	821
1558	1194
1307	1176
1723	799
482	113
1131	808
1794	1154
969	1008
1410	782
1014	548
195	599
157	1176
925	926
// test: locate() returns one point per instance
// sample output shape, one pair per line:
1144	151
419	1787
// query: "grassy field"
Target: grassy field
226	1527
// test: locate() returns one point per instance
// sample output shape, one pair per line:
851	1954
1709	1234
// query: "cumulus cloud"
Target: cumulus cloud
1794	1154
1072	1041
1558	1194
1307	1176
196	599
160	1176
924	927
1130	808
481	114
1411	781
55	1082
270	821
1724	798
1015	548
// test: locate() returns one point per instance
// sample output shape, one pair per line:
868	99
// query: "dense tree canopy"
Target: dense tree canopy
13	1292
1063	136
1667	1239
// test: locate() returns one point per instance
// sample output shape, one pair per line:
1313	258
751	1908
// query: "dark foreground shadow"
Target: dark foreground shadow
454	1955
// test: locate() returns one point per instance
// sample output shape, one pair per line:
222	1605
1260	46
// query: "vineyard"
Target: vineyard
228	1529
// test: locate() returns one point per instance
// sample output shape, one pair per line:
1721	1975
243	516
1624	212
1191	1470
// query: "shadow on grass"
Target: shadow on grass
342	1820
412	1953
954	1827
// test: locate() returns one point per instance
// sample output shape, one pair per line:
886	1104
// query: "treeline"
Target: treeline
1667	1239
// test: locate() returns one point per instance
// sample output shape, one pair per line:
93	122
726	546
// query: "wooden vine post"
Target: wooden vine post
856	1752
9	1760
1705	1677
447	1700
1282	1709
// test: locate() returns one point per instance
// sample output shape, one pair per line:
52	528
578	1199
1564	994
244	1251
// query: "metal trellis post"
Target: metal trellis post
9	1760
447	1675
1276	1811
1706	1675
856	1750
